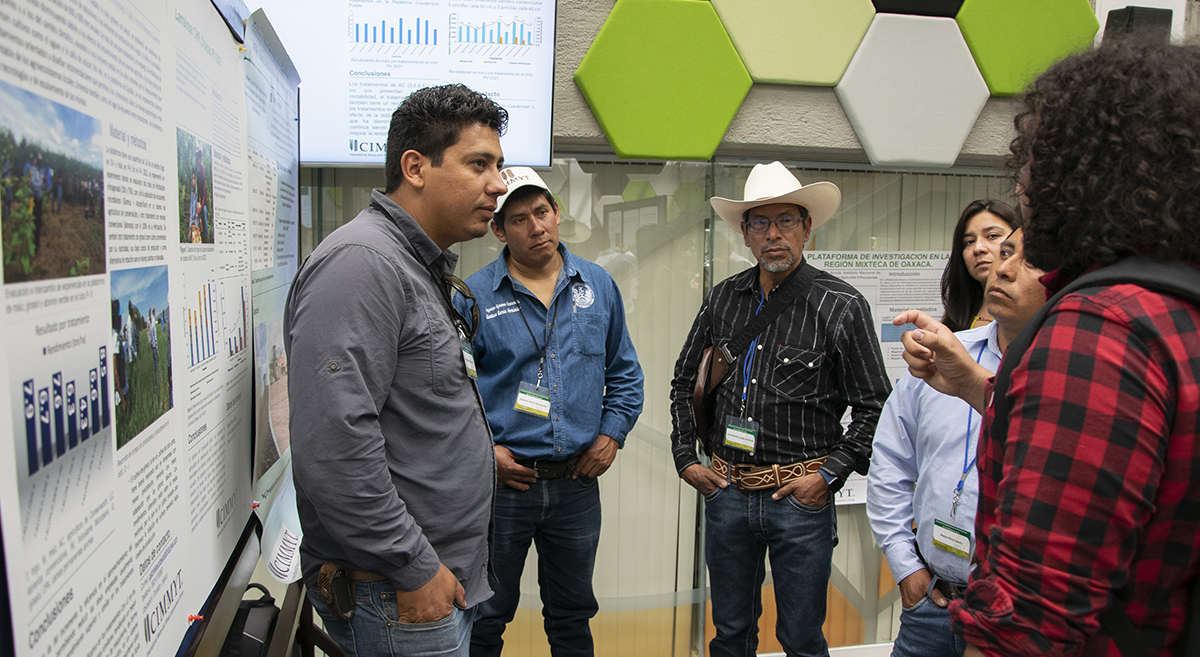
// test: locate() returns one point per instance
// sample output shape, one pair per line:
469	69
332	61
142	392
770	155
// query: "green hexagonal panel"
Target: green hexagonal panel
796	41
1014	41
663	79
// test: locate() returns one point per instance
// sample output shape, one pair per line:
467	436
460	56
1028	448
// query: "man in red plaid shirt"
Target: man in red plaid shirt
1091	497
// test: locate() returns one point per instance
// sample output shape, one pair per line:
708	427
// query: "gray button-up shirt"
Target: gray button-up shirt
391	454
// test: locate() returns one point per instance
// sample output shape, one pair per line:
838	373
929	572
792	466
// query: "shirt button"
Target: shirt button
785	360
749	419
753	380
556	387
760	347
557	419
552	355
558	450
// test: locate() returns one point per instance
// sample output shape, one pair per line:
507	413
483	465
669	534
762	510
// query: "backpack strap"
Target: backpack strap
1172	277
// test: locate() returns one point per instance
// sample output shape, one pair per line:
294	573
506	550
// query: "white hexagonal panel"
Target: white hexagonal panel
912	91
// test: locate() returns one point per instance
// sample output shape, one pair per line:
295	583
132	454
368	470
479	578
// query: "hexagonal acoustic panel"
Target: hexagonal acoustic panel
1014	41
663	79
945	8
912	91
796	41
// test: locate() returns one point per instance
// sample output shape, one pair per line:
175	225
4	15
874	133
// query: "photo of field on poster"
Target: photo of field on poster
51	194
142	353
195	189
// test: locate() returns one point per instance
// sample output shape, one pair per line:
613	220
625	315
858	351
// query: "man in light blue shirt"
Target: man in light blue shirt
923	470
562	388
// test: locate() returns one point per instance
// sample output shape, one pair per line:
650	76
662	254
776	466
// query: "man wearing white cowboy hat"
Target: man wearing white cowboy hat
562	388
800	348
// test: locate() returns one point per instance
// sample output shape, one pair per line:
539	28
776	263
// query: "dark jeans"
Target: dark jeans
562	516
741	526
373	631
925	631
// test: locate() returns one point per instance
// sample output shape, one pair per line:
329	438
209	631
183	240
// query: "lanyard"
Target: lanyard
549	331
750	355
967	448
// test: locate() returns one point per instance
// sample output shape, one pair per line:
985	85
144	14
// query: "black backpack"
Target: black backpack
1175	278
252	626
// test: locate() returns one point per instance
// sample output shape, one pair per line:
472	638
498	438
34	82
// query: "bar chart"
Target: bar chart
200	324
61	414
235	303
496	37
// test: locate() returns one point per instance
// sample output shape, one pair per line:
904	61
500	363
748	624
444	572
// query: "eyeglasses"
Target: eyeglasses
786	224
467	328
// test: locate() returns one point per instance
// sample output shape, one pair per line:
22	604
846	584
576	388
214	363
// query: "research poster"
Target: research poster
891	282
135	207
373	53
272	158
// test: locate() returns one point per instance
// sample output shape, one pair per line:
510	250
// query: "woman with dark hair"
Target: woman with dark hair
982	227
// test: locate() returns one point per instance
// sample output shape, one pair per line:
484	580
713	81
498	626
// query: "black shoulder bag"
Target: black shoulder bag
1173	277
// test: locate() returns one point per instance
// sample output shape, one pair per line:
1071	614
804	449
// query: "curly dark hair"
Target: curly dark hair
430	120
962	295
1111	142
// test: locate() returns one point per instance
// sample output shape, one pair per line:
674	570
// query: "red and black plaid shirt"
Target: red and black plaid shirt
1096	487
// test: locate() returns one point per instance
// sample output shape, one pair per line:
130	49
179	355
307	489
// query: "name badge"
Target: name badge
955	540
740	434
533	399
469	359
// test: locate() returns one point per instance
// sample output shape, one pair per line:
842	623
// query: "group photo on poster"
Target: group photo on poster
141	358
52	202
195	189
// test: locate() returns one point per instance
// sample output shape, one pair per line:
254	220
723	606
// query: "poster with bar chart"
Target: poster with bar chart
389	49
201	327
61	385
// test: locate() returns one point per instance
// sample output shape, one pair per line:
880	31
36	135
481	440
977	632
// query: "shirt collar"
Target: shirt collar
426	249
749	282
570	267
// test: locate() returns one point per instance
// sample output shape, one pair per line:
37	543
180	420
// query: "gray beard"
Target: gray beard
777	266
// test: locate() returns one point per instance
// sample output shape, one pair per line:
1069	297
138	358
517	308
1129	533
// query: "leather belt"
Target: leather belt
363	576
547	469
761	477
951	590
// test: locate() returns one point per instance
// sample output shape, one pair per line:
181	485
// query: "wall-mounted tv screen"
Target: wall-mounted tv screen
358	59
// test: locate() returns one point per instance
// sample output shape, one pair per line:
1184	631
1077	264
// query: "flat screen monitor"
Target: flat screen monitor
358	59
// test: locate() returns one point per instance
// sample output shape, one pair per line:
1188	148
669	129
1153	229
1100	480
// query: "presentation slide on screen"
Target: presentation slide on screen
891	282
147	178
361	58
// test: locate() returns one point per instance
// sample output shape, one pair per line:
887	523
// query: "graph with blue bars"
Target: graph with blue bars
496	37
60	415
397	33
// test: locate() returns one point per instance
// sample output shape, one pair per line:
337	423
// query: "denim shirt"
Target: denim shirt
591	372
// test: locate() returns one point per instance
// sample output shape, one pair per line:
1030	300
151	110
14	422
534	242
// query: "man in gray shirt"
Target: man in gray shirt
391	453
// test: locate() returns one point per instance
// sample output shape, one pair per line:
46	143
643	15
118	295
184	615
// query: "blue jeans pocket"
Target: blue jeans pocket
708	497
809	509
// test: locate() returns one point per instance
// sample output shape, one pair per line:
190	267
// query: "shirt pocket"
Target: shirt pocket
446	368
795	372
588	334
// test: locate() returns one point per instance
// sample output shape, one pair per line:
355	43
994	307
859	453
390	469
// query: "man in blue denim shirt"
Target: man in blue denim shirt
562	388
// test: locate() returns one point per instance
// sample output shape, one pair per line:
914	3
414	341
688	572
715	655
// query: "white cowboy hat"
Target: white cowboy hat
773	183
516	178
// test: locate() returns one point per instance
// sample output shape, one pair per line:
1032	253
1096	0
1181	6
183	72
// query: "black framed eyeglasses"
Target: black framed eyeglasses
467	327
786	223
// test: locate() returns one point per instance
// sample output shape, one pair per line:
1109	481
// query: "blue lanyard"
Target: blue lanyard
750	355
967	443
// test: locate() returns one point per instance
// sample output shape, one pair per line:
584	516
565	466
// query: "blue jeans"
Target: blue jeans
741	526
925	631
562	516
374	630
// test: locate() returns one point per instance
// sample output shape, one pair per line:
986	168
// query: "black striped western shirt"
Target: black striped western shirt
820	355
